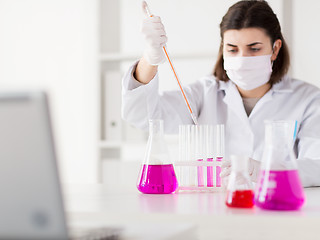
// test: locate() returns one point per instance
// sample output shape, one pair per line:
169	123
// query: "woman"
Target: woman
249	85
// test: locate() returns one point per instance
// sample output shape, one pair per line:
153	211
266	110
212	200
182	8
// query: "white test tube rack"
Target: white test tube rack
201	149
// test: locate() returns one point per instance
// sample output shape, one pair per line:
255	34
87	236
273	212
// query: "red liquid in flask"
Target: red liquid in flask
157	179
240	199
280	190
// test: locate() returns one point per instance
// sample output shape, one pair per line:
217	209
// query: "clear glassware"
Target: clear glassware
279	186
240	192
219	150
157	175
201	151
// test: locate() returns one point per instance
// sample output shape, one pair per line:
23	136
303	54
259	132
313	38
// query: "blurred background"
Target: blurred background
78	50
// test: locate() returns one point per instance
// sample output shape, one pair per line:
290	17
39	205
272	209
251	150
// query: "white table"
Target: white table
204	215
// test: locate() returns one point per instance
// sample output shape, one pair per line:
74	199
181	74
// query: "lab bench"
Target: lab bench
200	215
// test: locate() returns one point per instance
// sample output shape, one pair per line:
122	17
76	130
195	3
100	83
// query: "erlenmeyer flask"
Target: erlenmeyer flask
239	190
279	186
157	174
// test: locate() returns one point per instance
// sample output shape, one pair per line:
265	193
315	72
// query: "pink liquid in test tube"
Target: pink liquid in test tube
210	173
218	171
200	174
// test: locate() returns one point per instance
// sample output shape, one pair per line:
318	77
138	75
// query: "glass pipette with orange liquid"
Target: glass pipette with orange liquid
146	7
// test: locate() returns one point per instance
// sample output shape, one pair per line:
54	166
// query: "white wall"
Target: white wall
52	45
305	41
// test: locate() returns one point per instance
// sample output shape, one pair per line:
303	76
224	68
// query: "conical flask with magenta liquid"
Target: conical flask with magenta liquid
157	175
279	186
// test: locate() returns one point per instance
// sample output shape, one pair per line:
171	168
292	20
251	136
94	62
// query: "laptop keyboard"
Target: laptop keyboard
95	234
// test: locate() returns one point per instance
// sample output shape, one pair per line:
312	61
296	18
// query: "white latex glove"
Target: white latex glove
253	170
225	172
155	38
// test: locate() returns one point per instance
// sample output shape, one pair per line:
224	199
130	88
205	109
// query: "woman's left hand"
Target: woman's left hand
253	169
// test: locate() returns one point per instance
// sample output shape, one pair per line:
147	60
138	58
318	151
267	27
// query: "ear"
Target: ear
276	48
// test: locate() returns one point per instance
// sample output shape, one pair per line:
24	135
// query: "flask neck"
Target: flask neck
239	177
278	153
239	163
278	134
156	128
156	152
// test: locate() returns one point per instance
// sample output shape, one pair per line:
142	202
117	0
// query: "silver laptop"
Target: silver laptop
31	204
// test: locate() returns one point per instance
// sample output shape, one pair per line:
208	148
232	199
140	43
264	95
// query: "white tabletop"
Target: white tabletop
105	205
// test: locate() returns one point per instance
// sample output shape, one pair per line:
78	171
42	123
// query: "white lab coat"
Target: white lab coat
221	103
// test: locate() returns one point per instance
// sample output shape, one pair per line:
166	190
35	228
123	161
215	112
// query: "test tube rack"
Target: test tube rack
201	152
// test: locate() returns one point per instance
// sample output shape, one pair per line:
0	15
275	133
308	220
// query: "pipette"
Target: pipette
146	7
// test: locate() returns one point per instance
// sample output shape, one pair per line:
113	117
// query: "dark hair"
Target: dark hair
254	14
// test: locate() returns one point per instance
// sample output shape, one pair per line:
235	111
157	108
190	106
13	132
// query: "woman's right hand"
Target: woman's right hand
155	38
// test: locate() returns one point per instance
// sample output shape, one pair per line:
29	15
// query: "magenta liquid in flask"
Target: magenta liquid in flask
279	186
157	175
284	191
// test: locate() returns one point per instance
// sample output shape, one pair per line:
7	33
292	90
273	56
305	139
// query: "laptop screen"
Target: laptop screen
31	204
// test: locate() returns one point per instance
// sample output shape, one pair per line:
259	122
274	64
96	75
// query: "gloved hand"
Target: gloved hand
253	170
225	172
155	38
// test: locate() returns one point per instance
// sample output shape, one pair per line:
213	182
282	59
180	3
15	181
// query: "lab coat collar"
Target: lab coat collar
223	85
233	99
284	86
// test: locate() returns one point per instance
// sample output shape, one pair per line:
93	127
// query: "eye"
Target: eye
232	50
255	49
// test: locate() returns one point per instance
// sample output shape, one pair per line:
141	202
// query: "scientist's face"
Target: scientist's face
248	42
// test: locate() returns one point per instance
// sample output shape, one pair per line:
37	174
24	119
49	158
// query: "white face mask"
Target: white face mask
248	72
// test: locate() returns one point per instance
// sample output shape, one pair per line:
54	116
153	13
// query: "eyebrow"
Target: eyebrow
255	43
249	45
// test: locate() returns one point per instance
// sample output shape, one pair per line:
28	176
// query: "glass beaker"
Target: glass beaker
239	190
157	175
279	186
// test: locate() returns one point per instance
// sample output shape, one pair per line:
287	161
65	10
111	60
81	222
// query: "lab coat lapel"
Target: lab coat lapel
284	86
234	101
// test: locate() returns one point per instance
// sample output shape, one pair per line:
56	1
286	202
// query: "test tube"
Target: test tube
219	150
199	152
210	154
182	154
181	143
193	149
188	153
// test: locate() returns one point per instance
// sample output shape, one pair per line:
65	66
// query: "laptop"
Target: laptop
31	204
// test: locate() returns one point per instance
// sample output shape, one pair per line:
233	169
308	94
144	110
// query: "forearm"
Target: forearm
141	102
145	72
135	98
